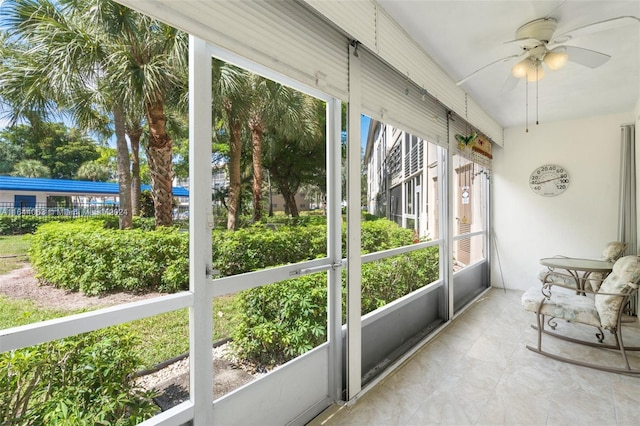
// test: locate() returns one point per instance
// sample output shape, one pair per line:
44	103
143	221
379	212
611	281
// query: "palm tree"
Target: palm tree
100	57
230	95
274	108
295	153
60	62
94	172
134	131
31	169
152	58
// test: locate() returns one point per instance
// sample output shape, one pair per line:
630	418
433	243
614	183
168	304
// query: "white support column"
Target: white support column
447	213
334	247
200	226
354	261
486	215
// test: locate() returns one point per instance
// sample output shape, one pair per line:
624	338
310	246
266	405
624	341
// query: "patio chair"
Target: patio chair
612	252
604	311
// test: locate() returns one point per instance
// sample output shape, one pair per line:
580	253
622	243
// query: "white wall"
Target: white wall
636	114
8	196
578	222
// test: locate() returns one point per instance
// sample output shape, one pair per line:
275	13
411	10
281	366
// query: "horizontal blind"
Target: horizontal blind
391	98
284	36
356	18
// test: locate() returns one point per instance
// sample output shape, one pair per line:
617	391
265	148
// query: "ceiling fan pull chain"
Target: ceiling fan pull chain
537	85
526	104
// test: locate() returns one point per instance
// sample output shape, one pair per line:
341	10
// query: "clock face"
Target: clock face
549	180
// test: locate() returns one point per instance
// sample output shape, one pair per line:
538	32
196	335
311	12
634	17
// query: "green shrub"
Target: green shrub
147	209
113	222
382	234
26	224
388	279
280	321
311	219
84	256
258	247
85	379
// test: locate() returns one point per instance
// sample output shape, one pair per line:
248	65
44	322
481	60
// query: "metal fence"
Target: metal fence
75	210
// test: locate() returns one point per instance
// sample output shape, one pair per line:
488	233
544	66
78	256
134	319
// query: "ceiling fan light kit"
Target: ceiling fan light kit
529	68
534	37
556	59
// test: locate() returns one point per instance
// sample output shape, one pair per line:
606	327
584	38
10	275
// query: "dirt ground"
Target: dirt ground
172	381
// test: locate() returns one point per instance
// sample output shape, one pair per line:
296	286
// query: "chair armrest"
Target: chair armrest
567	281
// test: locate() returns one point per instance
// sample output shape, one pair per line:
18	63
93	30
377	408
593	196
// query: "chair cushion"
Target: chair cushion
563	305
595	280
625	275
558	276
613	250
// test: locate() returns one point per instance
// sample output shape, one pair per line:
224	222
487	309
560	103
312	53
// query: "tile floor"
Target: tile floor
479	372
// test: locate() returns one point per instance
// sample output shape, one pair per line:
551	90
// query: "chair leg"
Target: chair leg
540	318
618	346
623	352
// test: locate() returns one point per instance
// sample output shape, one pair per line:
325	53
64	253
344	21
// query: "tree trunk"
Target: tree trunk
134	138
124	175
159	152
257	130
291	202
234	174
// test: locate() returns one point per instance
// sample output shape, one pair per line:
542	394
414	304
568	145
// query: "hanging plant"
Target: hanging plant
466	141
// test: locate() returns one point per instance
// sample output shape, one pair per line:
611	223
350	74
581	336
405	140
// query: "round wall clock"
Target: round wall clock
549	180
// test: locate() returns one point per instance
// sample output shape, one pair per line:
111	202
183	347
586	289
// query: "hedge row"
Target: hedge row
28	224
84	256
91	257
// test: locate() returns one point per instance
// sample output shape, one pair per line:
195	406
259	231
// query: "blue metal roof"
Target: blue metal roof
11	183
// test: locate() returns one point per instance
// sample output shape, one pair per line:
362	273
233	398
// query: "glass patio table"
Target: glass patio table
579	269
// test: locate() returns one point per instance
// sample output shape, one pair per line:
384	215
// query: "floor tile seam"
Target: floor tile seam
492	394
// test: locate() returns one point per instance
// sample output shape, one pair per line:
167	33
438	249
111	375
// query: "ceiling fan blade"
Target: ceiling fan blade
510	83
586	57
594	27
505	59
523	40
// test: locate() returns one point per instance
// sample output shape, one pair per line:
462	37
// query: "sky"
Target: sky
364	130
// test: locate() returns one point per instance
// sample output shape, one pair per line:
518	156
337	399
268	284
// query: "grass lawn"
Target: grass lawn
13	252
162	336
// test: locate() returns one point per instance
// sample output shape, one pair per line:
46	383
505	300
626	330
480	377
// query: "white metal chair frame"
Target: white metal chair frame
546	324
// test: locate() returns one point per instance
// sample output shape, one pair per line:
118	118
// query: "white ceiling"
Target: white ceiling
463	36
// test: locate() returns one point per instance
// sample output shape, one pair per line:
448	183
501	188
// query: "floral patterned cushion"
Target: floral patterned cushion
613	251
558	276
595	280
567	306
625	275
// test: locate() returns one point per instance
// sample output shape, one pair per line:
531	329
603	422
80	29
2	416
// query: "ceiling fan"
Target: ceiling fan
540	46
